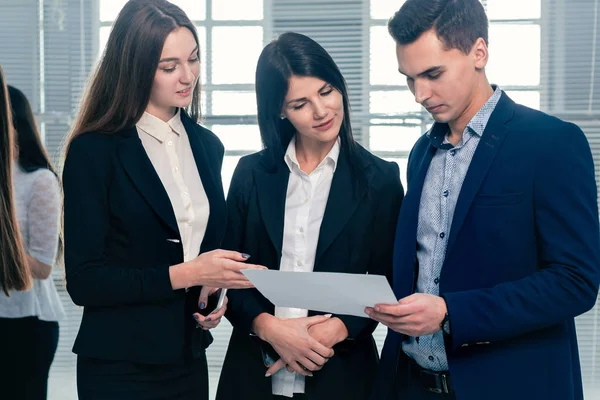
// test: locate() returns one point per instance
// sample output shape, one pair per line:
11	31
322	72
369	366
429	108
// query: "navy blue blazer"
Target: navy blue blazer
121	236
523	259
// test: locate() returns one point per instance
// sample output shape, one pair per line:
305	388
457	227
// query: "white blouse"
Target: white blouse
305	204
38	206
168	147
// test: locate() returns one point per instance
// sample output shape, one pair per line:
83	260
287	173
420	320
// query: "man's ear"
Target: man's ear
480	53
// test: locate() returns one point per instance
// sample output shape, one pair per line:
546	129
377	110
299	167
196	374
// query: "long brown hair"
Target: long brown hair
14	273
31	153
119	90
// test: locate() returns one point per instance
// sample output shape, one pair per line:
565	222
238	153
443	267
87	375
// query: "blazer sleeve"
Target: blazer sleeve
389	199
90	280
244	305
566	219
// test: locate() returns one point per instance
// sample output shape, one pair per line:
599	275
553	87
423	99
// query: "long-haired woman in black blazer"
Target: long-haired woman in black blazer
312	200
142	198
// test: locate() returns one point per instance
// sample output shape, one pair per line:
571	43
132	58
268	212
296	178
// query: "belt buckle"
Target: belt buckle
444	381
441	380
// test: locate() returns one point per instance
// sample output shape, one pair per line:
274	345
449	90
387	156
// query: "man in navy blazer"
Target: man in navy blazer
497	246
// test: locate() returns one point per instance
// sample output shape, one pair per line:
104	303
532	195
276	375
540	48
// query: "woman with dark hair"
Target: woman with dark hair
31	153
312	200
142	198
29	319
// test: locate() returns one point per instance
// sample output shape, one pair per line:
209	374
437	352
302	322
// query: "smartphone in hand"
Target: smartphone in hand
215	302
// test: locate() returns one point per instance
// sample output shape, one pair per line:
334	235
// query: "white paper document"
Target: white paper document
329	292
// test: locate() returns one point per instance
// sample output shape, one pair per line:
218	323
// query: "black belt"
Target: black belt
433	381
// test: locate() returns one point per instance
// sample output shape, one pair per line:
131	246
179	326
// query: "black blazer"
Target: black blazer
356	236
121	236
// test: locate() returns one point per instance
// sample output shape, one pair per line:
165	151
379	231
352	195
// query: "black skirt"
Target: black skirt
186	379
28	347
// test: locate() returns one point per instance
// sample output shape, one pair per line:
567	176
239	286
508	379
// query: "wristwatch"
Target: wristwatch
445	325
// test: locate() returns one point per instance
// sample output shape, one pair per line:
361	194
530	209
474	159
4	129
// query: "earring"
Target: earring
282	116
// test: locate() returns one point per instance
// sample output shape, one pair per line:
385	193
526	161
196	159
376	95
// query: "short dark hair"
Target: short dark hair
457	23
293	54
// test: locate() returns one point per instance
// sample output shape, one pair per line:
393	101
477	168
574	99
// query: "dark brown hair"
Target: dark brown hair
30	151
457	23
14	272
119	90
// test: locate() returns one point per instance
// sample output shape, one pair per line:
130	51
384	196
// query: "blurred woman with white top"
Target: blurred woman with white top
29	319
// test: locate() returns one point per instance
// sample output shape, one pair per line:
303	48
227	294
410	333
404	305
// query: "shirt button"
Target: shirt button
442	235
431	358
170	143
436	280
452	152
306	200
299	263
185	194
175	169
301	229
446	193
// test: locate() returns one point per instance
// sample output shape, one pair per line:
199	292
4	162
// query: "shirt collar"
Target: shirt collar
159	129
331	157
476	126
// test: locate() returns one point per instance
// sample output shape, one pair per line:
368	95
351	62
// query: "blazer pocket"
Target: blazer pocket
484	199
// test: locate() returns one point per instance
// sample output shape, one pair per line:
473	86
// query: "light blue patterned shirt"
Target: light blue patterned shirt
438	200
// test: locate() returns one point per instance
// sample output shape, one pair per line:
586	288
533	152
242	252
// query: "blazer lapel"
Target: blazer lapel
272	190
144	177
491	141
207	164
345	195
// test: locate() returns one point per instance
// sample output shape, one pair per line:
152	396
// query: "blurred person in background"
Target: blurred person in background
29	319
